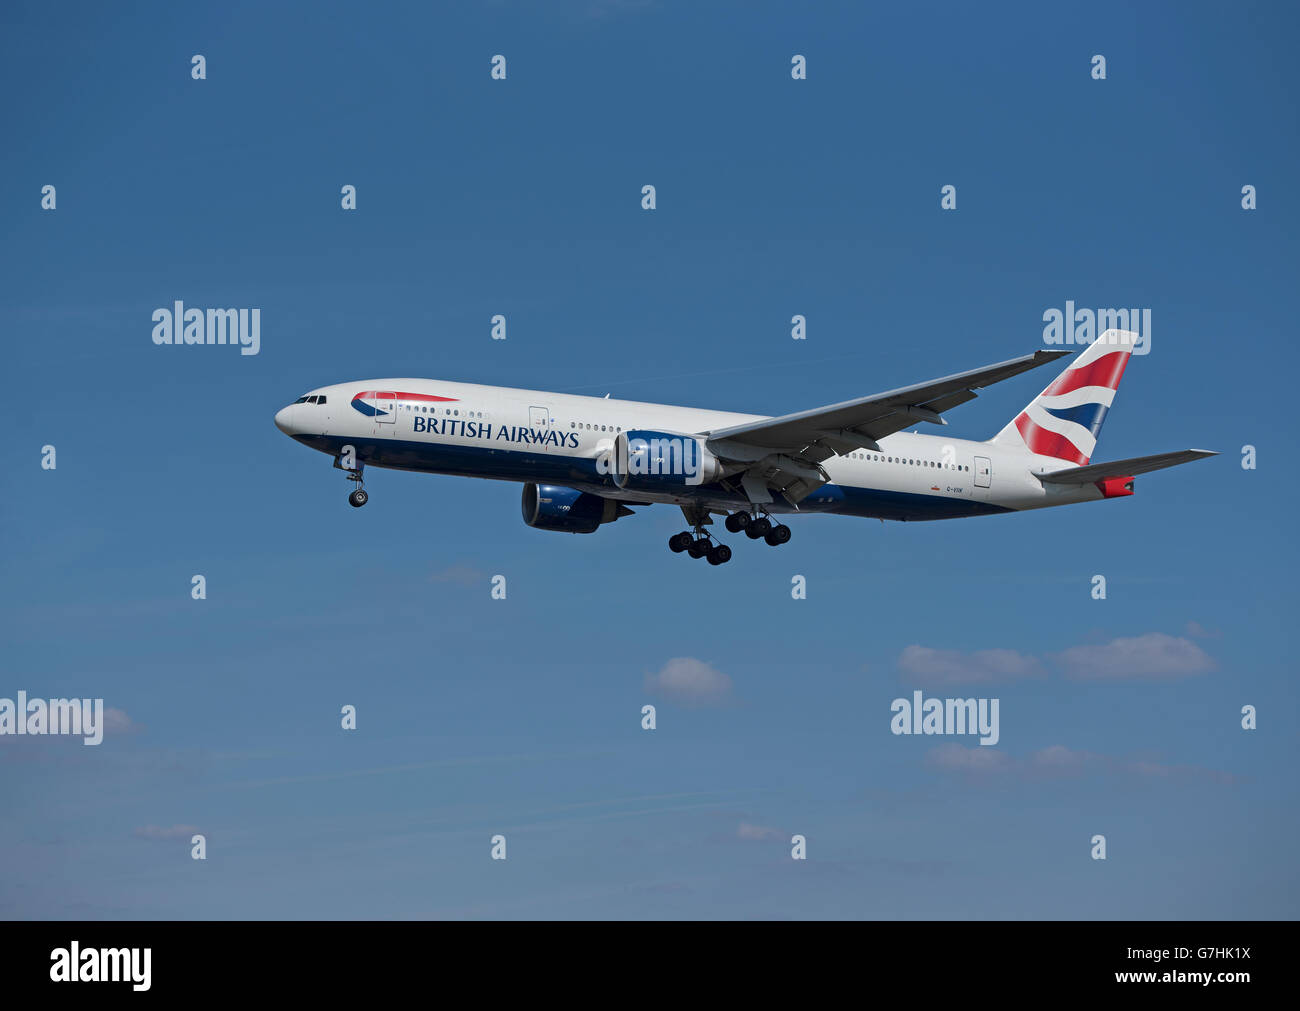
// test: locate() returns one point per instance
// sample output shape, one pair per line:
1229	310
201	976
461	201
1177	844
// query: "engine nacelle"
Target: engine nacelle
661	461
554	507
1115	487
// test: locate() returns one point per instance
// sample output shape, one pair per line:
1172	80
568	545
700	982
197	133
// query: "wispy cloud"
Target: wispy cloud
748	831
952	667
1060	762
1155	655
460	574
172	832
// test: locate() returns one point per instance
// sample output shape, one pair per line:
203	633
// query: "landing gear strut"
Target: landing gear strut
358	496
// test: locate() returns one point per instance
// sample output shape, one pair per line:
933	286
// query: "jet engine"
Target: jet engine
554	507
661	461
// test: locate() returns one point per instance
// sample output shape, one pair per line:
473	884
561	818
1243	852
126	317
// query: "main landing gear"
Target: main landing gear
758	526
698	544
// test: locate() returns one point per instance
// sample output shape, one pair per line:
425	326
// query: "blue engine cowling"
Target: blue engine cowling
661	461
554	507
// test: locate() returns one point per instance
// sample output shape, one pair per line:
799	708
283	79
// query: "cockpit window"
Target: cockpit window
320	400
301	400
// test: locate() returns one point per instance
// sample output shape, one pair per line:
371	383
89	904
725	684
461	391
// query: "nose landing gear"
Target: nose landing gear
357	497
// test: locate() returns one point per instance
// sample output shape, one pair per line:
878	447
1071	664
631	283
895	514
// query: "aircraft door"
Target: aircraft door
983	472
539	420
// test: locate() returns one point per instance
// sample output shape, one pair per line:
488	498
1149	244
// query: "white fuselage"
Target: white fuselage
534	436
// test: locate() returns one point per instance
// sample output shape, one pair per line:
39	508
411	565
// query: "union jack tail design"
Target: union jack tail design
1065	419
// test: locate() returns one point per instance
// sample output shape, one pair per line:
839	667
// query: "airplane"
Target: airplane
587	461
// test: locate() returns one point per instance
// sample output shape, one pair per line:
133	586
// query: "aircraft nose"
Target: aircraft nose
284	419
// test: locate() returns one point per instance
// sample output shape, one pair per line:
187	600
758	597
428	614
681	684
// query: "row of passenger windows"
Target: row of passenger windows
878	458
310	400
451	412
595	428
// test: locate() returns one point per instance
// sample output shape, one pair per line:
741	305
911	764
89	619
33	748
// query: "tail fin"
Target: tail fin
1065	420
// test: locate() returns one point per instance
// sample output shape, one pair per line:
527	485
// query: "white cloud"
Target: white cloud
117	722
691	682
952	667
1153	655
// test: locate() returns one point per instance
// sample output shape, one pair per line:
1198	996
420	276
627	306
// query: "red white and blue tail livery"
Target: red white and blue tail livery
587	461
1064	421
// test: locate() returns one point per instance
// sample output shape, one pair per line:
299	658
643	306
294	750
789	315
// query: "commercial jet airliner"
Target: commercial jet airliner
585	461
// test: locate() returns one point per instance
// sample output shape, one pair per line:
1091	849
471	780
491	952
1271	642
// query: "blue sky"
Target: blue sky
522	716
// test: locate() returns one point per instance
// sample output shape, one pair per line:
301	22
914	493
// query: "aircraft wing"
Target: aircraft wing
1124	468
786	452
856	424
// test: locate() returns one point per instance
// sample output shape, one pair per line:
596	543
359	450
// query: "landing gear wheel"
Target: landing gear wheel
358	498
719	554
699	547
758	528
778	535
678	543
737	522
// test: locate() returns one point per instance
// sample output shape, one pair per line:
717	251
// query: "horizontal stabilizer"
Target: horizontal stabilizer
1124	468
